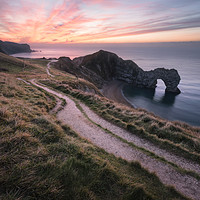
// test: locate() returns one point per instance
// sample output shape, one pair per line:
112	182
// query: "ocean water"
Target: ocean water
183	56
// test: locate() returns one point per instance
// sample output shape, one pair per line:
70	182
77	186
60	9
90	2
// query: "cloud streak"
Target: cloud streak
61	21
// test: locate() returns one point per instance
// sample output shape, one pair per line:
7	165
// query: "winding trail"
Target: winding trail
140	142
58	106
20	79
72	116
48	67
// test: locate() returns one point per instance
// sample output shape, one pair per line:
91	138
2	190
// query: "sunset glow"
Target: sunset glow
110	21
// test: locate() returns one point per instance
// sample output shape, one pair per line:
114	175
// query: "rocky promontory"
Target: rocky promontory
104	66
12	48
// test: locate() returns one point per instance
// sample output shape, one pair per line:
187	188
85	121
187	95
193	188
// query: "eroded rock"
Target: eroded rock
104	66
170	77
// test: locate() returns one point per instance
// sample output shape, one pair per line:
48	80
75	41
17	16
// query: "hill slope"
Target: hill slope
41	158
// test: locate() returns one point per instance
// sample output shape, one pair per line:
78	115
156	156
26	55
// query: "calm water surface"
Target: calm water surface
185	57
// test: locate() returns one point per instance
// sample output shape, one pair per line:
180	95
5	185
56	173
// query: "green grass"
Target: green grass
21	68
13	68
42	159
38	61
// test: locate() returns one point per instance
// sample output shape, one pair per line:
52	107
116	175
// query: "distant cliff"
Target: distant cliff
104	66
12	48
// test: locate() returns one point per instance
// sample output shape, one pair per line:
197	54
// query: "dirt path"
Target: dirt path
73	117
180	161
48	68
20	79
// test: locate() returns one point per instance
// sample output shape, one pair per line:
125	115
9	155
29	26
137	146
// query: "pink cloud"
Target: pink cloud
32	20
106	3
73	20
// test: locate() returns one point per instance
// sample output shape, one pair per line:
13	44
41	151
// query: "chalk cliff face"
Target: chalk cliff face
104	66
12	48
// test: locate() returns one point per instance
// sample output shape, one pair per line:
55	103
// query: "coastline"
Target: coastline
113	90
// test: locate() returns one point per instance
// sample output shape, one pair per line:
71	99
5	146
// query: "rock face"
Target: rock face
170	77
12	48
104	66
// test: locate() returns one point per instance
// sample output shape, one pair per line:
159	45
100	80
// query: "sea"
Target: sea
182	56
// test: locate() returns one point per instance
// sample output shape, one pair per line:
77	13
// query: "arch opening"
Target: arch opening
160	86
159	90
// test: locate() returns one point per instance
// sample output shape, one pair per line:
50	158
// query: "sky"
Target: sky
99	21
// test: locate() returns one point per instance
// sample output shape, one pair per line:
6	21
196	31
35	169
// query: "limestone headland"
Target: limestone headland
104	66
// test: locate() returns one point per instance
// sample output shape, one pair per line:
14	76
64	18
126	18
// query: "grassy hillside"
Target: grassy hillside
43	159
176	136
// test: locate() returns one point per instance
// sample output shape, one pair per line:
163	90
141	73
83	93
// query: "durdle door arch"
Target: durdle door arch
170	77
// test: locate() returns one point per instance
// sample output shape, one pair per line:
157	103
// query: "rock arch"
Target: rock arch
170	77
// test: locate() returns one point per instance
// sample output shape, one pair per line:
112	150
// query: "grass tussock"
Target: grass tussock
82	85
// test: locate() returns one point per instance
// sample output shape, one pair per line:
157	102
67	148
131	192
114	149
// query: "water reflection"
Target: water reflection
147	93
168	98
154	95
